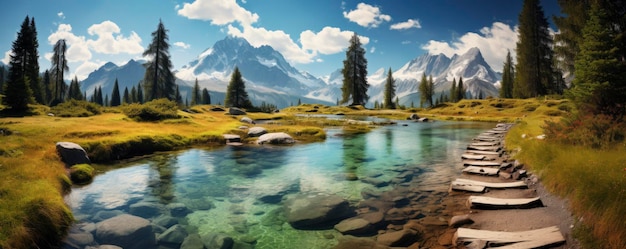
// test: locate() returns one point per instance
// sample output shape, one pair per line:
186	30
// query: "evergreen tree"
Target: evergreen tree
74	90
567	40
508	72
299	101
126	96
355	74
46	82
59	66
460	90
139	93
94	96
133	95
599	85
534	73
390	91
236	95
2	78
159	81
179	98
376	107
115	95
431	90
106	100
17	90
99	99
426	89
206	98
453	91
32	64
195	94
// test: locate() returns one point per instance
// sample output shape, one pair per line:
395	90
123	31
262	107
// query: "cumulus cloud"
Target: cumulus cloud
7	57
407	25
493	42
219	12
366	15
109	42
78	49
182	45
85	68
329	40
61	15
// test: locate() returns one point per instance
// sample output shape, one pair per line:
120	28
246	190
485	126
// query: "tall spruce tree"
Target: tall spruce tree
423	89
236	95
46	83
599	85
508	73
116	100
59	66
179	98
74	90
195	94
140	95
159	81
17	90
32	68
534	72
206	98
355	74
133	95
390	91
126	96
567	40
453	91
431	90
3	73
460	90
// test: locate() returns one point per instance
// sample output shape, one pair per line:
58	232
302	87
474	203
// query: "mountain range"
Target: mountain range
271	79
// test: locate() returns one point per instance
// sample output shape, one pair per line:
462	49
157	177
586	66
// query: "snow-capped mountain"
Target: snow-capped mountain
127	75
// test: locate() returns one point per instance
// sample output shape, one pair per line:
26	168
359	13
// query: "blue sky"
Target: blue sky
312	35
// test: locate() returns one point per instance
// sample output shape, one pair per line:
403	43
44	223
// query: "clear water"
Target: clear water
224	186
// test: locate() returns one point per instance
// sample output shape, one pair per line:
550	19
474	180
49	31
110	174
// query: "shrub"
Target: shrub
154	110
81	174
76	108
596	131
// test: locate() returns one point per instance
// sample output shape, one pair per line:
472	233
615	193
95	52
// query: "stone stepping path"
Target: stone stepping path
524	239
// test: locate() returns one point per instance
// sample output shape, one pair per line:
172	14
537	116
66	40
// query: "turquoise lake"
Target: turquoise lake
239	191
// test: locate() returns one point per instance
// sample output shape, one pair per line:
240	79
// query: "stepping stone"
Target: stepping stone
483	152
483	202
537	238
480	163
517	184
473	157
481	171
484	148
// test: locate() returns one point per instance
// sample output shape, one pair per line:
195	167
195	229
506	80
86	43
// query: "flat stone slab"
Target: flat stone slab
481	171
484	202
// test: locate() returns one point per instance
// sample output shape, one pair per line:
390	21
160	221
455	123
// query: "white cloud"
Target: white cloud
182	45
61	15
7	57
77	45
493	42
407	25
366	15
372	50
277	39
406	42
109	43
84	69
329	40
177	7
220	12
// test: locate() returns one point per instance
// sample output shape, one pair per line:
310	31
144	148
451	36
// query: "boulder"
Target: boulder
106	214
103	247
217	241
354	226
192	241
317	211
232	138
256	131
351	242
422	120
72	153
165	221
247	120
145	209
276	138
236	111
127	231
79	239
403	237
173	235
217	109
414	116
178	209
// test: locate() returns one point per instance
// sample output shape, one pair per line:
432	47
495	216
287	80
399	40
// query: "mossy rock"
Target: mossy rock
81	174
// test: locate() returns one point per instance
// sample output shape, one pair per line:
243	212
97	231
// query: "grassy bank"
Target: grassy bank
32	210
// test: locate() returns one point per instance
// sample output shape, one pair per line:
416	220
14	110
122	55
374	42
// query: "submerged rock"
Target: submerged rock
217	241
173	235
72	153
145	209
126	231
316	212
276	138
354	226
403	237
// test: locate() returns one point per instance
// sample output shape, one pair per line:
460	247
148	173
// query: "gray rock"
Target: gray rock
79	240
232	138
72	153
217	109
276	138
165	221
247	120
178	209
236	111
217	241
173	235
146	209
404	237
193	241
106	214
377	182
354	226
256	131
460	220
104	247
414	116
316	212
126	231
351	242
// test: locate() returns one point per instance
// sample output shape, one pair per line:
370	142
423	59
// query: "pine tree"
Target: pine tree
115	95
431	90
99	99
236	95
599	84
106	100
74	90
460	90
159	81
206	98
355	74
299	101
59	66
17	90
534	73
567	40
195	94
46	83
179	98
2	78
133	95
126	96
453	91
423	89
32	68
508	73
390	91
140	95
